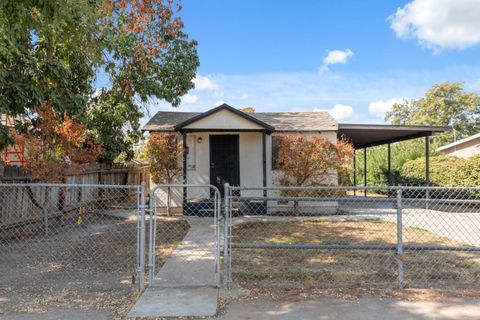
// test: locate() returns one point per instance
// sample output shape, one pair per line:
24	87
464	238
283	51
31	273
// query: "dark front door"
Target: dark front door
224	160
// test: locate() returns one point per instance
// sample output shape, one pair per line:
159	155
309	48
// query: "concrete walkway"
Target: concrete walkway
185	285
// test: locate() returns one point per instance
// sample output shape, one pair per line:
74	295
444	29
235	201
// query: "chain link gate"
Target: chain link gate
184	236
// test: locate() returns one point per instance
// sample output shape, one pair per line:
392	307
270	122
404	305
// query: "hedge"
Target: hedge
444	171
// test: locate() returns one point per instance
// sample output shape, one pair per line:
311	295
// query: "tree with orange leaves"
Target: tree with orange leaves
307	161
316	161
164	155
53	51
56	148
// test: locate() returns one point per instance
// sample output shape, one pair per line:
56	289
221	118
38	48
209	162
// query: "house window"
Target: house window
275	148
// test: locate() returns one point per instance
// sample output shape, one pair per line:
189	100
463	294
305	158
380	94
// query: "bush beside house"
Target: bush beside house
444	171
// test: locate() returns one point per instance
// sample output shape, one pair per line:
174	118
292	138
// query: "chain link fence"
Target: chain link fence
344	236
90	245
69	245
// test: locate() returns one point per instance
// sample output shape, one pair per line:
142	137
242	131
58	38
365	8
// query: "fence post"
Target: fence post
399	255
45	210
151	248
226	258
141	239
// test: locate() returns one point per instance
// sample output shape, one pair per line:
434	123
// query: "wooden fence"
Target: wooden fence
24	202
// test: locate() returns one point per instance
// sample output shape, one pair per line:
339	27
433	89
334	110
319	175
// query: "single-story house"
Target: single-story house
228	145
464	148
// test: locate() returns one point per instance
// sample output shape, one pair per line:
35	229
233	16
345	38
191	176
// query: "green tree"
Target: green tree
48	57
113	120
444	104
51	52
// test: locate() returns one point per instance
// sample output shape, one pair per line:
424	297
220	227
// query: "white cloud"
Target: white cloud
439	24
380	108
189	98
340	112
244	96
335	57
204	83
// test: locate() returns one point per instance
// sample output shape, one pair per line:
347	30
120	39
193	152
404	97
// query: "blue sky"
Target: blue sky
352	58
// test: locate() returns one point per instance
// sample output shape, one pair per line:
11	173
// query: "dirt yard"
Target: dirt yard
350	268
91	266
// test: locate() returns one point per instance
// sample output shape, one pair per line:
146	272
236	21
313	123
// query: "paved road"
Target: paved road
365	308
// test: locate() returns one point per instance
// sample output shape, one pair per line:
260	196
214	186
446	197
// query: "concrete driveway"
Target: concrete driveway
458	223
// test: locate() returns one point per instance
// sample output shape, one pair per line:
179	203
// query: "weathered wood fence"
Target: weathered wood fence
23	202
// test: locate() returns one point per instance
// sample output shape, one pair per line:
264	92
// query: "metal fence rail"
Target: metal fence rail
331	236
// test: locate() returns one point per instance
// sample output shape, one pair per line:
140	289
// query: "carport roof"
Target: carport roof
370	135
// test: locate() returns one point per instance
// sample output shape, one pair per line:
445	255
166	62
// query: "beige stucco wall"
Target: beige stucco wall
223	119
464	150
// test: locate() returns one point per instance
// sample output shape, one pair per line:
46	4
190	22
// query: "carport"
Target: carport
363	136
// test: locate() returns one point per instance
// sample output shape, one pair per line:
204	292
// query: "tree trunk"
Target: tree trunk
169	191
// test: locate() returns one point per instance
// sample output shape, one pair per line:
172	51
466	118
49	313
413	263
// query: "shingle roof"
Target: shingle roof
281	121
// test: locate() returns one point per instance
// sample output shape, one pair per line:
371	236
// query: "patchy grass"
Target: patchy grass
328	268
92	267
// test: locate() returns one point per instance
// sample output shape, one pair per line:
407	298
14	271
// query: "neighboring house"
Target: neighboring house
464	148
228	145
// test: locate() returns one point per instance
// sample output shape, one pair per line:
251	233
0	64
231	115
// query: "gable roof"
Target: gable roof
458	142
274	121
224	106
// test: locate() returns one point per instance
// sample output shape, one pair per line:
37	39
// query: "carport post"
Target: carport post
354	171
399	239
365	170
427	169
389	165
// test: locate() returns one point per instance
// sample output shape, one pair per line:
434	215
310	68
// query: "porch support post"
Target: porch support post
264	162
365	170
354	171
184	178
